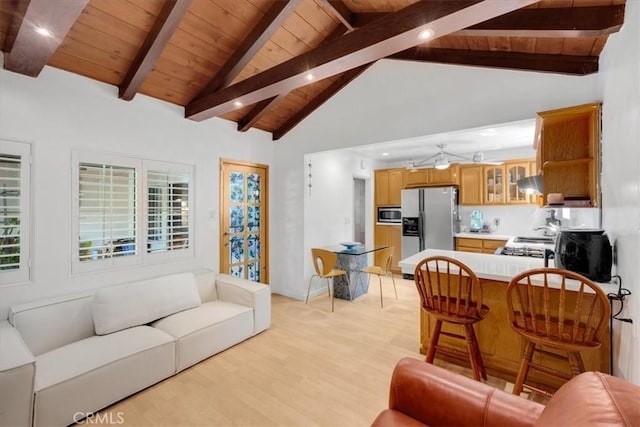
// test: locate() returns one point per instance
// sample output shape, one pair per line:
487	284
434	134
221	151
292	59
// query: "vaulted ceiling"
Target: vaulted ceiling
269	64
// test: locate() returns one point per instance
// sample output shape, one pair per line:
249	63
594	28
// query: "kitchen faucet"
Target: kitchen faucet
553	225
549	230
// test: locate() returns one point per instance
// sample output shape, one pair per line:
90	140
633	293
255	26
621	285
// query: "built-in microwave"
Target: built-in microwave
390	215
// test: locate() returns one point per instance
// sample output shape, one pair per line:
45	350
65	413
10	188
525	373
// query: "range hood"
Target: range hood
531	183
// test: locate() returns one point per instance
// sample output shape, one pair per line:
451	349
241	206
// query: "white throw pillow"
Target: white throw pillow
138	303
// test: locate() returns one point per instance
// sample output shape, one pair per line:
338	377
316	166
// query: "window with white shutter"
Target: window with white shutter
15	160
168	207
106	213
130	211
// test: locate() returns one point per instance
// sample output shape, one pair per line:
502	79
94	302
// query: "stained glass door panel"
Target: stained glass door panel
243	220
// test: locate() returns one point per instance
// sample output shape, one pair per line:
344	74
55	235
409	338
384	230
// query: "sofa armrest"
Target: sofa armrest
251	294
435	396
17	373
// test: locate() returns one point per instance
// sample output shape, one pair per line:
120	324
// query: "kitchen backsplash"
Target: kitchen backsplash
516	220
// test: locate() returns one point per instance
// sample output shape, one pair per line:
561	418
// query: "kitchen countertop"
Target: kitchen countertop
492	267
486	236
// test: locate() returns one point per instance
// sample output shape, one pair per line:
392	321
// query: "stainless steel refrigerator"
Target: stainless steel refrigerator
429	219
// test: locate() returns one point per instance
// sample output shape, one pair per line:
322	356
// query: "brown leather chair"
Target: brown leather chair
451	292
424	394
550	317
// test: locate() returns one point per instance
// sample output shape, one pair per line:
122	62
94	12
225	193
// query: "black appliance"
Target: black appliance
587	252
390	215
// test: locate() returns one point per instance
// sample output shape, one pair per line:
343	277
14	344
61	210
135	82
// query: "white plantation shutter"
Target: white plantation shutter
106	212
168	210
15	159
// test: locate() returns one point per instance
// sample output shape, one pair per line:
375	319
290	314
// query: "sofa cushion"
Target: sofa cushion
138	303
90	374
210	313
53	322
206	330
85	355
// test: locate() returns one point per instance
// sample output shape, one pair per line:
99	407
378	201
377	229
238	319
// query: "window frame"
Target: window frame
23	273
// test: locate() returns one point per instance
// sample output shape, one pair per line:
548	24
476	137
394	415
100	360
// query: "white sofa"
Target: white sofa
66	357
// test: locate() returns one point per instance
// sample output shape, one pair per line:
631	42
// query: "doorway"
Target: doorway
244	220
359	210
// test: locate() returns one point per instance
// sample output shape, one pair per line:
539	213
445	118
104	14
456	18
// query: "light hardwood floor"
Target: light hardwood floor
311	368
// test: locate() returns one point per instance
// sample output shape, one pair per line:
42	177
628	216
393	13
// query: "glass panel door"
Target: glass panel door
243	220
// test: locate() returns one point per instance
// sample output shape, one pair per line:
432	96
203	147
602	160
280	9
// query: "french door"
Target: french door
244	219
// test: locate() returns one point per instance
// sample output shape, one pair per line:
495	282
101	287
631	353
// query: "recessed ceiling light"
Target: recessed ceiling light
489	132
425	34
385	154
44	32
310	76
238	104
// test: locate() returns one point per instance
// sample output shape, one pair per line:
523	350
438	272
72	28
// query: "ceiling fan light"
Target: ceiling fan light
442	163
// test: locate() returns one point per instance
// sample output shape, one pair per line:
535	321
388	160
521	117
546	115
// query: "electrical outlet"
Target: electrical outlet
496	222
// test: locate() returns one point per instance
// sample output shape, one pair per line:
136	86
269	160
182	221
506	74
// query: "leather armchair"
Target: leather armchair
424	394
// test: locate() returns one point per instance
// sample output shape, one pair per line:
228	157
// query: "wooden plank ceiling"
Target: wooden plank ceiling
269	64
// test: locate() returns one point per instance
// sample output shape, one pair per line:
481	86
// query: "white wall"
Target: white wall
59	112
329	204
619	85
394	100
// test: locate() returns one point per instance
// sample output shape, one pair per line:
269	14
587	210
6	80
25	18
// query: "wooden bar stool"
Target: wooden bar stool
451	292
547	314
324	262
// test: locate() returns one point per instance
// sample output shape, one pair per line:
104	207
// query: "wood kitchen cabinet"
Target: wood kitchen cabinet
388	186
568	148
389	235
485	246
493	184
431	177
470	185
513	172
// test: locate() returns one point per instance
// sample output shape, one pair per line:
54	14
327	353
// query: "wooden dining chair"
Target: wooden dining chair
384	269
451	292
324	263
556	309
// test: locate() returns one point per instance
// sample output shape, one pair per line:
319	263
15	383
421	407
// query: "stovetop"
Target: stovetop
532	252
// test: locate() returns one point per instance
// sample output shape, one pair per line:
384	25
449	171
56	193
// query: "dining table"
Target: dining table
352	260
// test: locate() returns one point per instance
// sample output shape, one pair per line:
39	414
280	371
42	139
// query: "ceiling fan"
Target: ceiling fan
441	160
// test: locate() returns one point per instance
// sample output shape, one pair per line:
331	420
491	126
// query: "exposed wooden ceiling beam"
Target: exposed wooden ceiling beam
316	102
564	64
340	11
30	51
263	107
163	28
18	10
390	34
568	22
268	25
258	112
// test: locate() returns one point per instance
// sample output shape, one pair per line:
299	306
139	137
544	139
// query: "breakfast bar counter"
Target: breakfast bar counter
501	347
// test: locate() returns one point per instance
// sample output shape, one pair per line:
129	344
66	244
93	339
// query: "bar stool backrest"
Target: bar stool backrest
448	287
557	307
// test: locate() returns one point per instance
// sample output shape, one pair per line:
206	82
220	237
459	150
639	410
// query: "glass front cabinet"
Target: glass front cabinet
494	185
514	172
